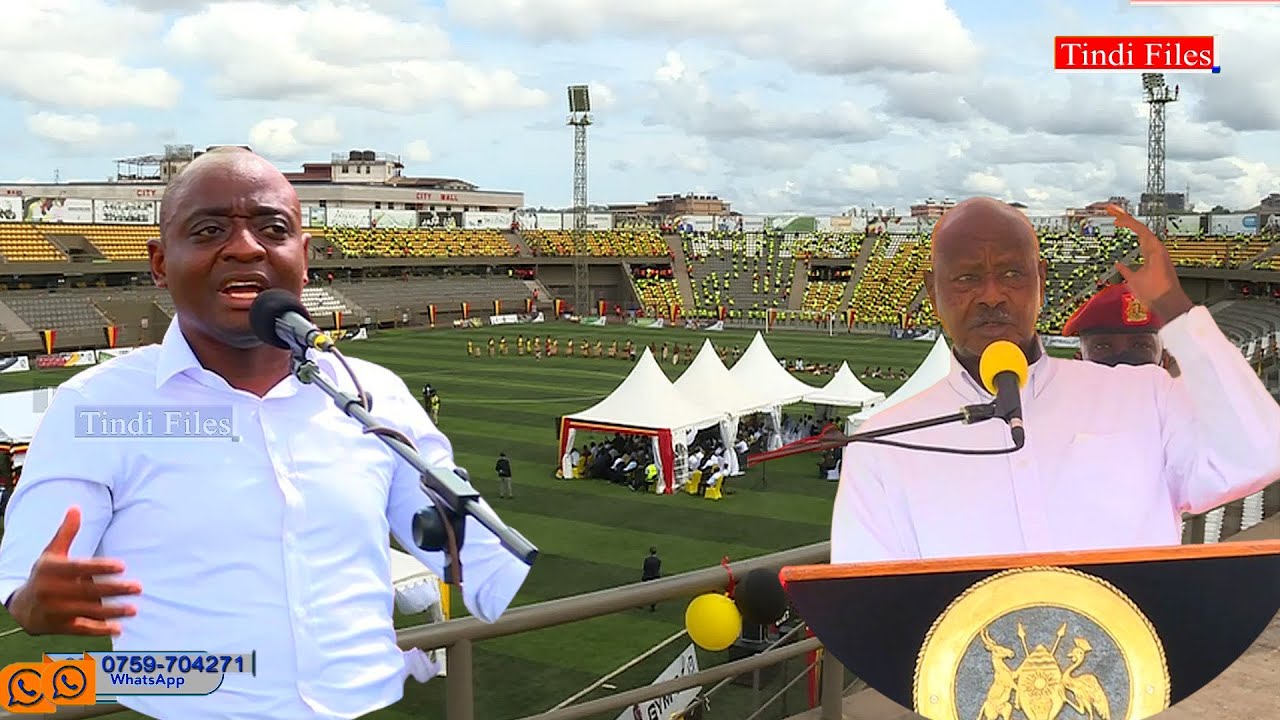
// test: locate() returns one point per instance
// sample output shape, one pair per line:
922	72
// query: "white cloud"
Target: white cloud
1245	96
71	54
287	139
78	131
686	100
863	178
339	52
418	151
602	96
831	37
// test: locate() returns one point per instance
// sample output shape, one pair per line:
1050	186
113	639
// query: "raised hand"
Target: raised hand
1155	284
64	596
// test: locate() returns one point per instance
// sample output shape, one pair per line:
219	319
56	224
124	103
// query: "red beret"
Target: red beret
1112	310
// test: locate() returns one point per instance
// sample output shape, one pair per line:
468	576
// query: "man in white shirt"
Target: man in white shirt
1114	455
268	534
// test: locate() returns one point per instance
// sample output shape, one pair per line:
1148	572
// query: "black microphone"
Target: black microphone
1004	371
279	319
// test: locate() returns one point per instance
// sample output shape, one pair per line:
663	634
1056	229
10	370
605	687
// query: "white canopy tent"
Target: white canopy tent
20	413
844	390
706	382
418	590
934	368
766	385
646	403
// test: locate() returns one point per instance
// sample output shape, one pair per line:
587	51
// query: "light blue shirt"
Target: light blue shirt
274	540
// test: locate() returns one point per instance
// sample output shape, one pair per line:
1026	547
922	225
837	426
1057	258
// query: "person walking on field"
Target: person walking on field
503	468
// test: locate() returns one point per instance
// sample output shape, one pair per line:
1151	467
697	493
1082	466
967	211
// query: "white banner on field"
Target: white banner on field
510	319
664	707
15	364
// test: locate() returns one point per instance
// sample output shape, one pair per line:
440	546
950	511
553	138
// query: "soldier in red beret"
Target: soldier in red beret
1115	328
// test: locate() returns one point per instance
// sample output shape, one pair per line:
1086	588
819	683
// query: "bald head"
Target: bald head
984	212
987	279
218	161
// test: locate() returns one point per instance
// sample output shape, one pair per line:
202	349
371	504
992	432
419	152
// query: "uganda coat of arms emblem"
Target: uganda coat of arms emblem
1041	643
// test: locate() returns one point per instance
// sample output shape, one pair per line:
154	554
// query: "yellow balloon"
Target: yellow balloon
713	621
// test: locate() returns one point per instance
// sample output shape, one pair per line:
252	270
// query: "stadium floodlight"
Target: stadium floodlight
579	99
1152	81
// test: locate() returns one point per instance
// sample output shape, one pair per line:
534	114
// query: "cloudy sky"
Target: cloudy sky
802	105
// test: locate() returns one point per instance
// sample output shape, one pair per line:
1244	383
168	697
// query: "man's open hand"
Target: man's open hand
64	596
1156	283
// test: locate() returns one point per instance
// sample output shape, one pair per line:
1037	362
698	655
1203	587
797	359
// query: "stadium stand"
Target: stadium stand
114	242
822	245
743	272
62	311
639	242
893	277
1215	252
1077	265
417	242
26	243
656	289
319	301
825	289
447	292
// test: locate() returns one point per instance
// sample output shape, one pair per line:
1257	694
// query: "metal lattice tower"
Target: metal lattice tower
1157	95
580	119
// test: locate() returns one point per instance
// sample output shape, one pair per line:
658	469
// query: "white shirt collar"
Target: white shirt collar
1040	374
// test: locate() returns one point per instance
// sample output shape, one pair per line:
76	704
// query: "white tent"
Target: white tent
936	366
646	403
20	413
708	383
418	590
844	390
766	385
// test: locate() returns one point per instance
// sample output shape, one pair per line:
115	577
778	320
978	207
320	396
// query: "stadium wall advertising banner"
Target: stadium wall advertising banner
696	223
10	208
1183	225
124	212
107	354
487	220
1048	223
1099	226
15	364
753	223
57	210
597	221
549	221
347	217
393	218
439	219
1233	224
313	216
66	359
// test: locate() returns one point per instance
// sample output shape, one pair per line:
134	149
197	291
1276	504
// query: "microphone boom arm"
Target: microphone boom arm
832	437
452	495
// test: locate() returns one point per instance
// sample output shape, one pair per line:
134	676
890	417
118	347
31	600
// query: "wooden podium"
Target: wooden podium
1105	635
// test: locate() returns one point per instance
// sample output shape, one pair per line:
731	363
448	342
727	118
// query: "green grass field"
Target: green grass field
592	535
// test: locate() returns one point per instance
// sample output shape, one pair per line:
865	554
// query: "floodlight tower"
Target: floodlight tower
580	119
1157	95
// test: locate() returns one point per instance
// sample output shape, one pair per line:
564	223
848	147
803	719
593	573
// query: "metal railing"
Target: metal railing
458	638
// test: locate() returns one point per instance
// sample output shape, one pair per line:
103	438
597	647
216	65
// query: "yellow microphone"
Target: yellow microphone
1004	372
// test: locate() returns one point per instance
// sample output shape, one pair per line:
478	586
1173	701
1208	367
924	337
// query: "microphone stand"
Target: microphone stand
832	437
452	493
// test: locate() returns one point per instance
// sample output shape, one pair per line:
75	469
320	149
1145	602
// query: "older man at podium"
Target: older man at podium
1114	455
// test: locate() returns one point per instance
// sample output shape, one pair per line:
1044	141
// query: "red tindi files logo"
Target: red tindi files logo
1132	53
